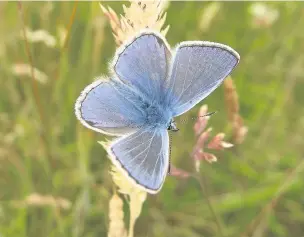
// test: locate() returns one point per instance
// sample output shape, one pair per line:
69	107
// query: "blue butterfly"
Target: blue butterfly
148	87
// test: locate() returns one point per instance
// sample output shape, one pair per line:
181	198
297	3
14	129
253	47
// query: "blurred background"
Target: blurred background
54	176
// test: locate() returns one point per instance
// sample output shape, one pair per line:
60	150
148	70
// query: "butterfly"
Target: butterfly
149	86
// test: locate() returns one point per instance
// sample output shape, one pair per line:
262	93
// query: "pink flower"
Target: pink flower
217	142
201	140
201	155
178	172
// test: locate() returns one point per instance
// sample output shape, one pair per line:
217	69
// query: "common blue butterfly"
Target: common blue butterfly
148	87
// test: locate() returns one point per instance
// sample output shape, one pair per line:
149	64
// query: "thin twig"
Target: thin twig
35	90
72	18
28	52
67	37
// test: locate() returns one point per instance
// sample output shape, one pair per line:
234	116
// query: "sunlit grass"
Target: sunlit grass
254	188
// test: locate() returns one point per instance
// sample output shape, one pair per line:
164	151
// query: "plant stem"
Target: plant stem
66	40
204	189
28	52
35	90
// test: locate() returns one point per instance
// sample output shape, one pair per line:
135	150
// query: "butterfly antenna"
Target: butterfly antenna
205	115
196	117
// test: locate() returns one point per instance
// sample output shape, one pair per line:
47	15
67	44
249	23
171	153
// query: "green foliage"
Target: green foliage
45	150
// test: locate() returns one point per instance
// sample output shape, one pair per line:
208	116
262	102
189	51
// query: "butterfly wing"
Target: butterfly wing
109	107
143	157
198	69
143	63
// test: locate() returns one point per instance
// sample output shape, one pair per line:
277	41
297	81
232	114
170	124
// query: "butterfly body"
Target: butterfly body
148	87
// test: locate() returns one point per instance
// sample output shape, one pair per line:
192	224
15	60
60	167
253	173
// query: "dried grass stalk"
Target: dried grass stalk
39	200
40	36
136	202
116	216
136	196
138	16
22	69
208	15
232	105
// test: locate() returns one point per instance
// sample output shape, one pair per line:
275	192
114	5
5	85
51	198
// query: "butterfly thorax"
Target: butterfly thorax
156	115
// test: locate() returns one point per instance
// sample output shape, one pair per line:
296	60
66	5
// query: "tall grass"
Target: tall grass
55	178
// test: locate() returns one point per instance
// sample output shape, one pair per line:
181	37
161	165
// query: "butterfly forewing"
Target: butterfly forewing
198	69
144	63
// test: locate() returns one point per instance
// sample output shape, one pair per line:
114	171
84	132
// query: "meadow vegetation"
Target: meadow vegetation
56	179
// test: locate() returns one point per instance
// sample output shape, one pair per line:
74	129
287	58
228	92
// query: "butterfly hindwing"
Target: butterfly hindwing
143	157
198	69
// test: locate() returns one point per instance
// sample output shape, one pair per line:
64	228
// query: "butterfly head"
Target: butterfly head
172	126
